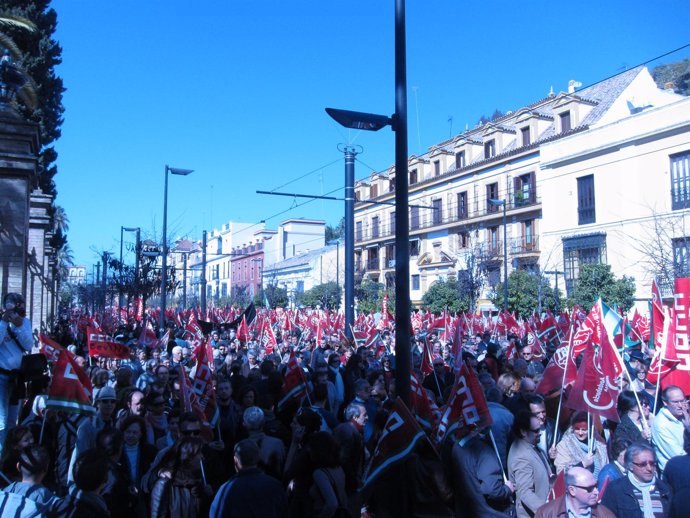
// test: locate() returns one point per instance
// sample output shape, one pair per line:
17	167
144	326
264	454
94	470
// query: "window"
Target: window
526	141
490	148
577	251
392	229
528	235
413	177
585	200
459	159
373	191
491	194
358	231
415	282
463	239
680	181
493	240
565	121
299	287
391	185
375	227
437	167
523	186
437	211
462	205
390	256
414	248
681	257
414	217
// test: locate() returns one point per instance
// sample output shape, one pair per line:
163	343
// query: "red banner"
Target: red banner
103	345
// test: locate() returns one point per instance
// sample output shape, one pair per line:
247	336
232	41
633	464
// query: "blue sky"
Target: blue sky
236	90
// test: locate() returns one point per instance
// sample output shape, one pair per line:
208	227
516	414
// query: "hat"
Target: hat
636	355
106	392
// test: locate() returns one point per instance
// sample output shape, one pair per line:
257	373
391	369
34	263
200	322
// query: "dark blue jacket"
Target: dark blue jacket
620	498
250	494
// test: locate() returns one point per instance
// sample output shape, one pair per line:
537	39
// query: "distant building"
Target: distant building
76	275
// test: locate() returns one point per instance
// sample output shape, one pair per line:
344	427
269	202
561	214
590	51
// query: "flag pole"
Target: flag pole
590	433
662	350
565	370
43	425
498	456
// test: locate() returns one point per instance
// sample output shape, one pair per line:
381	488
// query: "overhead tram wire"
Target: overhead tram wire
307	174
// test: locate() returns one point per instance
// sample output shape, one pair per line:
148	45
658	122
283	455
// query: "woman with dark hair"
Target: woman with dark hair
574	448
246	397
179	490
137	454
155	418
328	491
16	440
631	427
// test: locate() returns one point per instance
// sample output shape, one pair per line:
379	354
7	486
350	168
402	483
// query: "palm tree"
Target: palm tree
27	92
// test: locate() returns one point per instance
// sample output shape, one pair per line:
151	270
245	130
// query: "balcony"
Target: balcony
525	246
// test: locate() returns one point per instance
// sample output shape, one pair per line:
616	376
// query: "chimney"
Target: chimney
573	85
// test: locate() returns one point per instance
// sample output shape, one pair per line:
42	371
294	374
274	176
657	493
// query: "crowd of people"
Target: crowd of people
142	454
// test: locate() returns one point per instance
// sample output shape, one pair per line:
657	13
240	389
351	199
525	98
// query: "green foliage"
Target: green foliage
444	295
677	73
369	296
239	296
325	295
525	292
276	297
597	280
337	232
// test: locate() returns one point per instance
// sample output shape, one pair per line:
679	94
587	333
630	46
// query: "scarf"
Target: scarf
646	489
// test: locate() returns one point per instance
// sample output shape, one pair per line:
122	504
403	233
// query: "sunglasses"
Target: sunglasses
648	464
188	433
588	489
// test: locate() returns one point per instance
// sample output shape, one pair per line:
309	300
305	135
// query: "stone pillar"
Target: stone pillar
39	235
19	146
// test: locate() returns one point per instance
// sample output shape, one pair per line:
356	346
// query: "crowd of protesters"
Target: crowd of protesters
143	455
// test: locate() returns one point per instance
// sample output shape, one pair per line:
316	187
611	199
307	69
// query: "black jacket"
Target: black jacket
250	493
620	498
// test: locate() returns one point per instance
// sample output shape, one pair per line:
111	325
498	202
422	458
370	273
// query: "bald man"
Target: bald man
580	499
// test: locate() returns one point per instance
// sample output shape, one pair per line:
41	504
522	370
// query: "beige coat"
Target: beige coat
531	476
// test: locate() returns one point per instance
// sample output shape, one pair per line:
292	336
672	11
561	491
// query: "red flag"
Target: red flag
70	389
294	385
266	336
672	360
400	435
427	362
102	345
562	361
243	330
657	314
203	385
147	337
559	487
425	410
466	410
596	388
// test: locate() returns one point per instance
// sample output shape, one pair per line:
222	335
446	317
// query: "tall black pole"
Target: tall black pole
202	280
137	251
505	258
105	275
184	281
402	231
164	268
350	154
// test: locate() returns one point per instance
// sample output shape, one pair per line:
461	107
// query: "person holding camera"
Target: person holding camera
15	339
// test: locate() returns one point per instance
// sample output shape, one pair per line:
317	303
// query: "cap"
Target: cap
106	392
636	355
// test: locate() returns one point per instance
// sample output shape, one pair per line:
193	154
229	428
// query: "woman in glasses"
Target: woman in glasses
579	448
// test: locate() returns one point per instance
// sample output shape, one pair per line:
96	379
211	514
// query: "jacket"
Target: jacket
250	493
531	475
171	499
78	504
667	437
570	453
626	429
556	509
10	352
620	498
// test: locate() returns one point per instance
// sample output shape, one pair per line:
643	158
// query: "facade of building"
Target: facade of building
310	268
76	275
460	188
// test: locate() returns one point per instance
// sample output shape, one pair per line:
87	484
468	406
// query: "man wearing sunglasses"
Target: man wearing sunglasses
580	498
641	493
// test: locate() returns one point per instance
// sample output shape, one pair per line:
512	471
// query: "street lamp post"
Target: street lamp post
398	123
505	250
555	293
164	269
122	230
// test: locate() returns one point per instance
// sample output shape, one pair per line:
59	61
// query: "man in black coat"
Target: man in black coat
251	492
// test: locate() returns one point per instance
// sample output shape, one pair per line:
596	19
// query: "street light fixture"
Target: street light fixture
398	123
164	270
502	203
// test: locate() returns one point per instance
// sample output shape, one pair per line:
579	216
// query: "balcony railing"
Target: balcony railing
451	213
525	246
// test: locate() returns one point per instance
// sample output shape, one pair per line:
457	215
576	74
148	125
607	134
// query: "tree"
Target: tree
527	292
369	295
597	280
40	55
239	296
326	295
337	232
444	294
276	297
